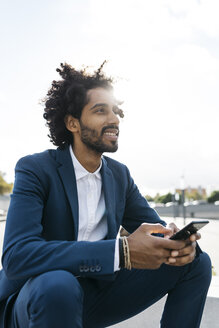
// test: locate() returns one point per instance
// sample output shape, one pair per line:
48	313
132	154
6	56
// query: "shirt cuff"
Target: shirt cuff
116	256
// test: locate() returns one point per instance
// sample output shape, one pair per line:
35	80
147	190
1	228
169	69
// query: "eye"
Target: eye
100	110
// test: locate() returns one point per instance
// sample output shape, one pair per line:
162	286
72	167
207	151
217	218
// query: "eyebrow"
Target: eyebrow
98	105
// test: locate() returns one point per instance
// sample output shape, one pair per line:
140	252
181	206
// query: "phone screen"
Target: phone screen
189	229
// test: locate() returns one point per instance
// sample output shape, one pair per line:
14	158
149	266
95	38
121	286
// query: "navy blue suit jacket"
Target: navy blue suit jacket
42	222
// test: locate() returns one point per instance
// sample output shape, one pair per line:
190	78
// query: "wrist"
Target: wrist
121	254
124	253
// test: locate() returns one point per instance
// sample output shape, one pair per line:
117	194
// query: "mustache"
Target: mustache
110	127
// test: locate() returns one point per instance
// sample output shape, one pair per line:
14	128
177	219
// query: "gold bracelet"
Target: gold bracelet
126	251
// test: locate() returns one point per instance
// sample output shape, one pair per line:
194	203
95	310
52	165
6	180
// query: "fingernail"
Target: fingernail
174	253
171	260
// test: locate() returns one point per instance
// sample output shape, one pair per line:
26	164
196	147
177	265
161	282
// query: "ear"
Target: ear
72	123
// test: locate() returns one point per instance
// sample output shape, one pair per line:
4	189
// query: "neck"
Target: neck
88	158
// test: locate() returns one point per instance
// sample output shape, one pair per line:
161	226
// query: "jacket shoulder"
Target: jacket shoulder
119	170
112	163
41	157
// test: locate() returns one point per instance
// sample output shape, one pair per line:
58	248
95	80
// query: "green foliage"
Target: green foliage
213	271
193	195
4	186
149	198
156	197
163	198
213	197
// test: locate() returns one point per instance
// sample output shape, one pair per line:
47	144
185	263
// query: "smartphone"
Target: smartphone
189	229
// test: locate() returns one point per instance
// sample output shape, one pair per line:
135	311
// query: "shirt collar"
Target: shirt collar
80	171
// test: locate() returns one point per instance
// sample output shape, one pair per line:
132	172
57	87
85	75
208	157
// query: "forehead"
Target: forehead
100	95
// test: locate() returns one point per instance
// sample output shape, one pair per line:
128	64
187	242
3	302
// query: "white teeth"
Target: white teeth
110	134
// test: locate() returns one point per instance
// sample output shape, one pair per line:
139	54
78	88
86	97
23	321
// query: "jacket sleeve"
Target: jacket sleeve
137	209
26	253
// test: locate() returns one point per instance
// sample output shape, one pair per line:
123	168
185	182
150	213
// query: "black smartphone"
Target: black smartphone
189	229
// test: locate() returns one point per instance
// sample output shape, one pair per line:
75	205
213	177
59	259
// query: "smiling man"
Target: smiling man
97	130
63	263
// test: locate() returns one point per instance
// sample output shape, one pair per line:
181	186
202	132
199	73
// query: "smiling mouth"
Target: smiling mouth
111	134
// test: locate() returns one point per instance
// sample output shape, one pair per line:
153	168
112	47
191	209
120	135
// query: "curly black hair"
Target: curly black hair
69	96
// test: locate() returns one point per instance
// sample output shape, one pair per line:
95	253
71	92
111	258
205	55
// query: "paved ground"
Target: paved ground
150	318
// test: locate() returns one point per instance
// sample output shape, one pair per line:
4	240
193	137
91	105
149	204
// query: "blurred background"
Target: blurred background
164	56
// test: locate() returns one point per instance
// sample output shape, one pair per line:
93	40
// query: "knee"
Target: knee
56	288
205	267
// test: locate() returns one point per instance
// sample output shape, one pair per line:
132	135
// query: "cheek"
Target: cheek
96	125
93	121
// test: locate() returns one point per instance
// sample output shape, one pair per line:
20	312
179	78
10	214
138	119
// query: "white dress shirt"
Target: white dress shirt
92	208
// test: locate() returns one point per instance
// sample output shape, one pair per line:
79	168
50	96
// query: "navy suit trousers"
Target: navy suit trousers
57	299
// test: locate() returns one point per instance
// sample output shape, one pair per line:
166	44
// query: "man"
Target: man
63	265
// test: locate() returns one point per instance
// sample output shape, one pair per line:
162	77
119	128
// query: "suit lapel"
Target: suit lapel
109	195
67	175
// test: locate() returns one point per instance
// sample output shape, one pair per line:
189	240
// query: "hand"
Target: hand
173	229
185	255
149	252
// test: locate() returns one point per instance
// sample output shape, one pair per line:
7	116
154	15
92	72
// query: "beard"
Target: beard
91	139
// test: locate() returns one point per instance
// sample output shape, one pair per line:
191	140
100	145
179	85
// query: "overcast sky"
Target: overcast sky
166	54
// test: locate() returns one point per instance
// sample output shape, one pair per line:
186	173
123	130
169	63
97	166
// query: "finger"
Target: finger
155	228
186	255
195	236
184	251
173	244
166	253
174	253
173	227
167	236
180	261
170	261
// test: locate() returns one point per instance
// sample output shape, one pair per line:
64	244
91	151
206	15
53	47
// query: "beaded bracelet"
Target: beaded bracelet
124	253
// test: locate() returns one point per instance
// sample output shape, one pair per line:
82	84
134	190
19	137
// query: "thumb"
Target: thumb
155	228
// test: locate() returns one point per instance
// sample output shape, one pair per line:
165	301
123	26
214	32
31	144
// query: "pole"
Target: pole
174	204
183	206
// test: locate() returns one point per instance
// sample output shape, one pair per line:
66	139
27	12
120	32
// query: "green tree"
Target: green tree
193	195
149	198
214	196
4	186
156	198
163	198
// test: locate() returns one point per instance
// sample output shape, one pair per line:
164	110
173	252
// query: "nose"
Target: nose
113	118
